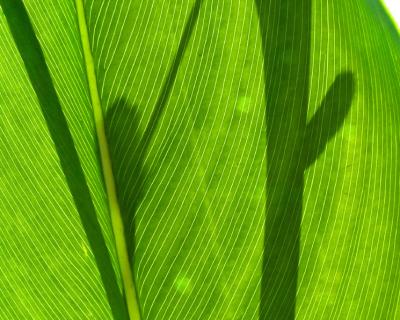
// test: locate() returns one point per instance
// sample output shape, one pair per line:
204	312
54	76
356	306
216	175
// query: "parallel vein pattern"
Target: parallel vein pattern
195	93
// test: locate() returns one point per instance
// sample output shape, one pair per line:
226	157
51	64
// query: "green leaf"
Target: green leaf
254	147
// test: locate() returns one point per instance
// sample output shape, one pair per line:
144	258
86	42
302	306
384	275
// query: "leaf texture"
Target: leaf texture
255	148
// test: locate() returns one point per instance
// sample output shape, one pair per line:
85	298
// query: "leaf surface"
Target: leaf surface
255	151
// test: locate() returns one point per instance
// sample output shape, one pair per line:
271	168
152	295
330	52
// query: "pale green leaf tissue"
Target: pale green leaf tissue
255	150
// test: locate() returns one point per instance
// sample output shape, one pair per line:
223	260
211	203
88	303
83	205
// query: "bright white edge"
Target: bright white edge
393	6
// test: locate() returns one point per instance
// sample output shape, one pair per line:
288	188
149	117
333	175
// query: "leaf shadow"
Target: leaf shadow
122	116
127	154
40	78
128	145
292	144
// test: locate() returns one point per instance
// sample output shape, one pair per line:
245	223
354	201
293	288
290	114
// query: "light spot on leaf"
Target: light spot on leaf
243	104
183	284
85	249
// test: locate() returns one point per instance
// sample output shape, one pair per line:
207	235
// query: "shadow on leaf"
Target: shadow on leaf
39	76
292	144
127	154
128	146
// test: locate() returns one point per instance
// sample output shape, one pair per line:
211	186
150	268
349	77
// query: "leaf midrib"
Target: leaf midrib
115	212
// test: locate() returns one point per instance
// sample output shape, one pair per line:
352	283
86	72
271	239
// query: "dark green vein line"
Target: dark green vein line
170	79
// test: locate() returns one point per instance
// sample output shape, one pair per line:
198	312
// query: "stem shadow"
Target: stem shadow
292	144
